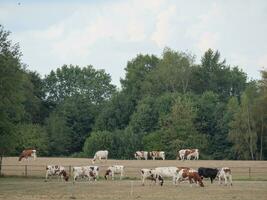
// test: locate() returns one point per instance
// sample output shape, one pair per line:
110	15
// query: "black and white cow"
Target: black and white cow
208	173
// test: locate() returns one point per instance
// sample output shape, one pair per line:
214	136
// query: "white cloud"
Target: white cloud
207	40
164	27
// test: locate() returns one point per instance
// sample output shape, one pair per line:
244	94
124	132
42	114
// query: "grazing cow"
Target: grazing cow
114	169
192	153
188	154
167	172
224	174
152	175
95	169
208	173
28	153
55	170
141	154
157	154
82	172
99	155
191	174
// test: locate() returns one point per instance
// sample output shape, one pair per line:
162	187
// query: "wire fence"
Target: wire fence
253	173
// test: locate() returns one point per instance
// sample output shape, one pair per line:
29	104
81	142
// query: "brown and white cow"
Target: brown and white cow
83	172
114	169
141	154
191	174
157	154
56	170
28	153
225	174
188	154
152	175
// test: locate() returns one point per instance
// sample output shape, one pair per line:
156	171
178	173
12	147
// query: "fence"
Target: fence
239	173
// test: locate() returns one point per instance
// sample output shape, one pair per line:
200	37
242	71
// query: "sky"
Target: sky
107	34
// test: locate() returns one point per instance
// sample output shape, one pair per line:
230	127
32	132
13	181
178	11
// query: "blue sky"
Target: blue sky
107	34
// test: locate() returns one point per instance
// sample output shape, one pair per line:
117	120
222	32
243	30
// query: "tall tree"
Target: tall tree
12	93
67	81
242	129
172	74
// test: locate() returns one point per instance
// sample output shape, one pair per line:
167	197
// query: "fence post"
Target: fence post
26	170
69	170
249	172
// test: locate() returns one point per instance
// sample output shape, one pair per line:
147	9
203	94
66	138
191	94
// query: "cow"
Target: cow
191	174
152	175
141	154
114	169
188	154
224	174
168	172
28	153
99	155
82	172
208	173
157	154
56	170
193	153
95	169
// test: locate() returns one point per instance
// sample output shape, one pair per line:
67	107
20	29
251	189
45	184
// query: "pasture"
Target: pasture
34	187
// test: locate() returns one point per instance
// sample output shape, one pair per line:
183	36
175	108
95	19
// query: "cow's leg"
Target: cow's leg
143	180
230	180
225	179
112	175
122	174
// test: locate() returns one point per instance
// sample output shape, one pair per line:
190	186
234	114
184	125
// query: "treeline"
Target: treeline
165	103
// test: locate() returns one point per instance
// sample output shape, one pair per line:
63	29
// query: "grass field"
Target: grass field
34	187
29	189
241	169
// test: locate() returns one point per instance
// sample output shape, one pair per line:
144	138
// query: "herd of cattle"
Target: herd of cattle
157	175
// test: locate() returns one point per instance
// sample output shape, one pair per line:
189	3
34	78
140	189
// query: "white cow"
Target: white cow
56	170
152	175
114	169
82	172
99	155
141	154
168	172
224	174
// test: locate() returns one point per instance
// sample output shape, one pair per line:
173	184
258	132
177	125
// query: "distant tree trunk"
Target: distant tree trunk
250	136
1	158
261	138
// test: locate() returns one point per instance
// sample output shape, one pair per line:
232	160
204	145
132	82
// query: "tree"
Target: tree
178	130
136	73
12	93
32	136
172	74
242	129
214	75
68	81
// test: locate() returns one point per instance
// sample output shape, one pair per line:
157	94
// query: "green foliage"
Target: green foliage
172	74
59	135
145	119
68	81
12	91
32	136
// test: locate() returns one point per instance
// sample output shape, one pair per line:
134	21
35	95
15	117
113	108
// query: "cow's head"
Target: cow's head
107	173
